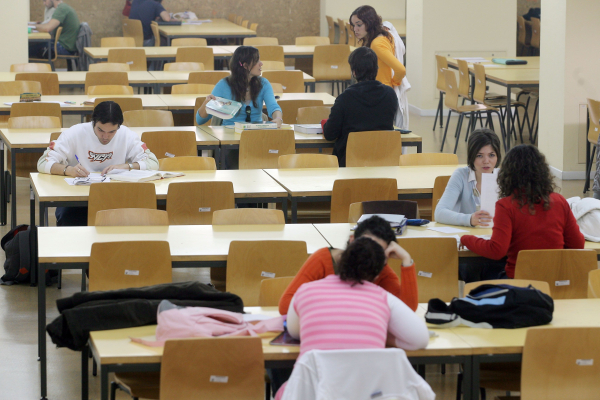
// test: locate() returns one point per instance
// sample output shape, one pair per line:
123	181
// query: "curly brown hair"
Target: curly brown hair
362	260
526	177
373	24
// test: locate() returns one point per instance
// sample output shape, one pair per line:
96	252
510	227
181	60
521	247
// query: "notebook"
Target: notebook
136	175
223	108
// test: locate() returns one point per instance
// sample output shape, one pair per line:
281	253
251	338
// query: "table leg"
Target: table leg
223	157
13	185
42	332
31	206
508	116
103	383
294	210
3	198
471	379
42	211
218	157
49	44
284	208
85	373
419	147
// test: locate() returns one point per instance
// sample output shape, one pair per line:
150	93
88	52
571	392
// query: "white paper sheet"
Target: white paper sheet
489	194
447	229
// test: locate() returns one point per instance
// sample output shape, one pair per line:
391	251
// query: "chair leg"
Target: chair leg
535	111
483	394
267	391
441	109
113	390
503	130
59	285
588	170
459	382
458	128
437	113
94	368
446	130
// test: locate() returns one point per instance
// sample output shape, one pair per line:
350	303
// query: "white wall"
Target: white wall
343	8
13	28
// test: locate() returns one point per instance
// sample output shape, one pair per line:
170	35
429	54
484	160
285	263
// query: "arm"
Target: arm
164	15
497	246
388	279
444	212
408	329
273	109
333	127
572	235
221	90
385	52
48	26
293	322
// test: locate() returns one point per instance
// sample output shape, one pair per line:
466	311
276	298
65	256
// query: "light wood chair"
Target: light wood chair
254	26
289	108
148	118
199	102
292	81
271	290
126	103
113	195
343	38
202	55
331	29
277	88
250	262
593	107
184	66
106	78
189	42
207	77
262	148
535	36
373	148
35	109
408	208
245	24
171	143
34	122
330	64
185	374
135	58
539	285
15	88
133	28
54	136
239	19
273	66
312	115
307	160
155	33
187	163
439	186
594	284
109	67
312	41
30	67
132	217
271	53
248	216
348	191
429	159
48	80
117	41
192	88
57	34
193	203
232	17
441	65
464	81
261	41
351	36
114	90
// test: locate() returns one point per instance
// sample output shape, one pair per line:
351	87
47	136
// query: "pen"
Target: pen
69	102
77	158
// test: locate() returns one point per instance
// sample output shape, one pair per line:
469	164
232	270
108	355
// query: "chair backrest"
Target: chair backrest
188	42
521	31
250	262
330	63
248	216
132	217
54	136
193	203
202	55
272	289
185	373
31	67
15	88
148	118
307	160
126	103
187	163
277	90
273	65
239	19
565	270
350	34
535	33
254	26
109	67
560	363
199	102
312	40
155	33
114	90
410	209
184	66
330	28
429	159
262	148
292	81
34	122
442	64
594	115
594	284
312	115
133	28
343	38
48	80
451	98
109	196
136	58
171	143
122	265
118	41
348	191
261	41
373	148
192	88
439	186
271	52
232	17
106	78
245	24
207	77
464	81
480	84
289	108
35	109
539	285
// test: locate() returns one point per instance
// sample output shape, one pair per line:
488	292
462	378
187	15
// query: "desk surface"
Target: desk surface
149	102
182	77
39	36
532	63
227	135
188	101
98	53
513	76
78	77
217	27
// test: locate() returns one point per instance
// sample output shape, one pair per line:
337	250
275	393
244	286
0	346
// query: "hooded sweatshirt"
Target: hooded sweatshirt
364	106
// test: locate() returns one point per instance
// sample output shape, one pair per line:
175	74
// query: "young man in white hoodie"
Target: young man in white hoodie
97	146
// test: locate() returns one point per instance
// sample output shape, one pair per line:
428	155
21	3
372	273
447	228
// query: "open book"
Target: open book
136	175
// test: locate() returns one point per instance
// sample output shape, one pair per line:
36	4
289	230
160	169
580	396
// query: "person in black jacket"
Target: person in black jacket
367	105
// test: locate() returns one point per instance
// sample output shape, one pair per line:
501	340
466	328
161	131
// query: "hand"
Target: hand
118	166
394	250
208	98
481	218
278	121
77	171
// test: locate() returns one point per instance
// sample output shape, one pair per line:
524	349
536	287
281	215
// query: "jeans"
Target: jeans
481	270
40	50
71	216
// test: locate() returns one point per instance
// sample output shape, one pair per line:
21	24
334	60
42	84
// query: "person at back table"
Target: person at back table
97	146
368	105
64	15
148	11
529	214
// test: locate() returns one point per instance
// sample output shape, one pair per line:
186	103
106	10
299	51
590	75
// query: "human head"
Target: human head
48	3
244	65
363	64
479	139
106	120
376	227
526	177
367	25
362	260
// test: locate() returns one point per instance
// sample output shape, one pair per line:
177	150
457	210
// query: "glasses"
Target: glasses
248	112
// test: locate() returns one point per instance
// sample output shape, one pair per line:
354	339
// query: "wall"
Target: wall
13	25
343	8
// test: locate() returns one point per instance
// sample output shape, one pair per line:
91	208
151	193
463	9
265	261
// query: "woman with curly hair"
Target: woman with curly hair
529	214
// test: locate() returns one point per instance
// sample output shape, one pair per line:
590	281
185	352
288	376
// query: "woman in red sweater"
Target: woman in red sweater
529	214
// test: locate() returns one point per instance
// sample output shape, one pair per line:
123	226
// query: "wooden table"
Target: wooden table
42	37
217	28
160	53
76	79
532	63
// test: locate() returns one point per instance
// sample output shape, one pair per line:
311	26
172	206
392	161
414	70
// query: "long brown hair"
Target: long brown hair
373	24
243	60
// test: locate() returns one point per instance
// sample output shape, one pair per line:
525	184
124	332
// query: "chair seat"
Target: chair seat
140	384
502	103
475	108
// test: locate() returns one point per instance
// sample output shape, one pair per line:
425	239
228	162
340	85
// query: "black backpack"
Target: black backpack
18	264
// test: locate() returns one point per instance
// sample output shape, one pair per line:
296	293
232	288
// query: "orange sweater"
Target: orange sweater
320	264
387	61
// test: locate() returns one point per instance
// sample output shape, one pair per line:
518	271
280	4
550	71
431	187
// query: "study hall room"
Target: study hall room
188	190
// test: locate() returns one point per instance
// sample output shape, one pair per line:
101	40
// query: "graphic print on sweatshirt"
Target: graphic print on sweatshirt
100	157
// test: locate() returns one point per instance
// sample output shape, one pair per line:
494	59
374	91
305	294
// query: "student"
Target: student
148	11
48	10
97	146
348	311
367	105
127	8
66	17
529	215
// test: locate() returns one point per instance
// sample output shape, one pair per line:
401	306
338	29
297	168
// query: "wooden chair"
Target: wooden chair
312	115
189	42
35	109
429	159
113	90
117	41
171	143
271	290
148	118
277	89
307	160
261	41
442	64
136	58
373	148
207	77
331	29
15	88
105	78
34	122
239	19
271	53
54	136
30	67
351	36
254	26
126	103
409	209
348	191
522	36
250	262
262	148
248	216
132	217
185	374
245	24
192	88
289	108
109	196
593	107
155	33
202	55
232	17
292	81
464	81
199	102
594	284
330	64
48	80
193	203
273	66
565	270
133	28
343	38
535	36
109	67
184	66
312	41
187	163
439	186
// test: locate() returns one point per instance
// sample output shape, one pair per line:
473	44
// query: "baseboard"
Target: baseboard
568	175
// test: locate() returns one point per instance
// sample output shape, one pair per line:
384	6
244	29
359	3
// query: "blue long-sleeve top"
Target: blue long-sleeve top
265	96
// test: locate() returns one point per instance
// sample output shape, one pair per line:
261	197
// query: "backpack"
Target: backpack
493	306
18	264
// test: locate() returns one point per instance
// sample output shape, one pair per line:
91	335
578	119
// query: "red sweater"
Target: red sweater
515	230
320	264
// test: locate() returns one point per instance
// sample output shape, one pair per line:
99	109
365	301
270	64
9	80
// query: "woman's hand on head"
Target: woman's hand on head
394	250
481	218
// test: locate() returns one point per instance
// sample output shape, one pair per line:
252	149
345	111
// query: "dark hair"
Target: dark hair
373	23
362	260
243	60
377	227
526	177
107	112
478	140
363	63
